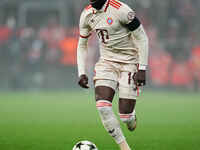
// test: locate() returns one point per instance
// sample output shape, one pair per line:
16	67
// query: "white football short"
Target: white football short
118	76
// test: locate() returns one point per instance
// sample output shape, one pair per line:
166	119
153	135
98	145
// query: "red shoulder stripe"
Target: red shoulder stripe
116	2
117	7
88	7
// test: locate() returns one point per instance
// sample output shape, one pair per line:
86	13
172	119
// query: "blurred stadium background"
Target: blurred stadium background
39	95
38	41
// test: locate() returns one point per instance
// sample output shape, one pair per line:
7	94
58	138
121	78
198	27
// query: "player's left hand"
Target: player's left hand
83	81
140	78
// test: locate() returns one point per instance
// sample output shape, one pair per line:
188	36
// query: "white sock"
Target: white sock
110	122
127	118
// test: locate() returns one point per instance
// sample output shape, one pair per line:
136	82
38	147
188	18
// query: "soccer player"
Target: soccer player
122	64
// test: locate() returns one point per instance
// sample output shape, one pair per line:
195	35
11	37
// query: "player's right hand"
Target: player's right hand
140	78
83	81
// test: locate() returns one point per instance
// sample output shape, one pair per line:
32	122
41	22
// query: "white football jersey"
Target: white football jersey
116	42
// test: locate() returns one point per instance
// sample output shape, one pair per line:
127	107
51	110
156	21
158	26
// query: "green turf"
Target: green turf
56	121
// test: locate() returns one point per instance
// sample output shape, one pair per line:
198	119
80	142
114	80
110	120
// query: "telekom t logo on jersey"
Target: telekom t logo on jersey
103	35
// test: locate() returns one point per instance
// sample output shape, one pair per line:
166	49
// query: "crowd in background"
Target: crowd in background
173	29
35	57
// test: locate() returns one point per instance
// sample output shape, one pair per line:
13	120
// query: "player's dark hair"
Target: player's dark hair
97	4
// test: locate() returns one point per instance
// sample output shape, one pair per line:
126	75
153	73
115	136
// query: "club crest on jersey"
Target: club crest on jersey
109	21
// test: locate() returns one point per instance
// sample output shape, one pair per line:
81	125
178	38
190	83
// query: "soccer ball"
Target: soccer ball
85	145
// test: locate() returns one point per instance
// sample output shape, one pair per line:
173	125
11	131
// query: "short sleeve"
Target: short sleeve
83	26
126	14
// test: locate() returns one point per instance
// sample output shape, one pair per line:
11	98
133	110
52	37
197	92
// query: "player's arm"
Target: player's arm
82	51
139	34
133	24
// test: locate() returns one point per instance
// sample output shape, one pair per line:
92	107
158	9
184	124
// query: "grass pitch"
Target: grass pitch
56	121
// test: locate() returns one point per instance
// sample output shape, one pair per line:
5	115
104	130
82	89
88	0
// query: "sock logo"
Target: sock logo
111	131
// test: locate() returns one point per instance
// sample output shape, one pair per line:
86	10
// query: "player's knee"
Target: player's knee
125	118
